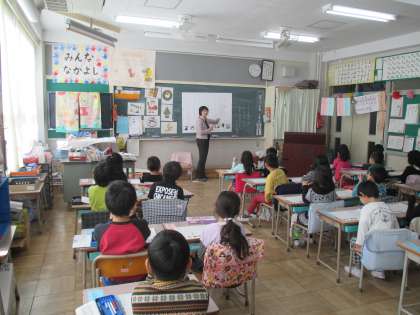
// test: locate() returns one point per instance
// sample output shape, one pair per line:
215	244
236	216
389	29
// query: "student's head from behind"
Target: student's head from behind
321	160
343	152
378	147
323	177
100	175
413	158
247	161
203	111
228	204
120	198
271	162
367	192
153	164
377	174
115	160
169	256
271	150
376	157
172	171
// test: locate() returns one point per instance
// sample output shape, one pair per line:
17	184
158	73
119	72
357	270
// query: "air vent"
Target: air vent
56	5
162	4
326	25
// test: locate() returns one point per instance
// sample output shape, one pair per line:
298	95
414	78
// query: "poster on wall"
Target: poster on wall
395	142
86	64
167	94
412	114
135	109
67	111
135	126
219	105
133	68
343	106
327	106
397	107
152	108
367	103
169	127
151	122
90	110
166	112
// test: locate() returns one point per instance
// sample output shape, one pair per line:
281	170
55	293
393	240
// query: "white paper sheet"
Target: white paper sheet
412	114
85	199
191	231
367	103
166	112
297	199
87	231
151	236
134	181
408	144
396	125
135	125
135	109
82	241
344	193
395	142
151	122
169	127
347	215
397	107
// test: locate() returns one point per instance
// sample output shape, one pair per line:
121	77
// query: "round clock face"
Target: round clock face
254	70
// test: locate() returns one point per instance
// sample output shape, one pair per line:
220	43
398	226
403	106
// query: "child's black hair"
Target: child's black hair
120	198
271	150
201	109
115	159
272	161
377	157
344	152
169	254
100	175
323	179
228	205
248	162
369	189
172	171
114	166
378	147
320	160
153	164
379	174
413	158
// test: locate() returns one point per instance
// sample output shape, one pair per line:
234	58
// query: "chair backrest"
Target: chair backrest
239	183
314	223
415	225
184	158
119	268
413	180
379	241
156	211
90	219
223	269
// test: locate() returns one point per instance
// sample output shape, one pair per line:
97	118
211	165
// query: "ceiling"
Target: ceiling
247	19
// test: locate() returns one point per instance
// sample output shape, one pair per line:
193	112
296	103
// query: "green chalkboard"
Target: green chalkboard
247	109
411	130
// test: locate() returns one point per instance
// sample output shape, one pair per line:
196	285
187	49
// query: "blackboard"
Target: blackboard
247	108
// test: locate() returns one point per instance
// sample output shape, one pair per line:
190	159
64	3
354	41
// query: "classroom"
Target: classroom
210	157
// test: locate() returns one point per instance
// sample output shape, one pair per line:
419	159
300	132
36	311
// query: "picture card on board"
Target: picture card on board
408	144
135	125
135	109
396	125
395	142
412	114
167	95
169	127
152	107
397	107
166	112
151	122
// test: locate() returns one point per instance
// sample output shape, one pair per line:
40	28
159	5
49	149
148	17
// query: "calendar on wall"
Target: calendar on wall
351	71
403	66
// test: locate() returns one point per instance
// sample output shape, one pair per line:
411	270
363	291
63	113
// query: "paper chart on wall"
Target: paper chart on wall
397	107
135	125
169	127
367	103
151	122
166	112
396	125
219	105
408	144
343	106
412	114
154	93
327	106
90	110
122	124
67	111
418	142
167	94
395	142
135	109
152	108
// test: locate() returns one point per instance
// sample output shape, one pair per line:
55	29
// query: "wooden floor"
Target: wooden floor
49	279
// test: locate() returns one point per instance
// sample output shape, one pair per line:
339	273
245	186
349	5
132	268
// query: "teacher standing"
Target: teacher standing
203	127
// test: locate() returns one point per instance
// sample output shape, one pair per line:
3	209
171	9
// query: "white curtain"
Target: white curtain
295	110
18	76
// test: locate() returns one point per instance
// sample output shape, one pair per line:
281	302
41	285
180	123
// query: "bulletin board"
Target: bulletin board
397	67
407	135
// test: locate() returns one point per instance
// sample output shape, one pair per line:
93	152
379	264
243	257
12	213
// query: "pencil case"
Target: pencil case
109	305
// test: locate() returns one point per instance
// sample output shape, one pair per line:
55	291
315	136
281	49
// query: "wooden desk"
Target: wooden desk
412	252
6	242
223	174
128	288
404	189
255	183
348	223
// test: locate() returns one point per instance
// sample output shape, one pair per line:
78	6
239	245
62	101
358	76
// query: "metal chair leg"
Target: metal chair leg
361	278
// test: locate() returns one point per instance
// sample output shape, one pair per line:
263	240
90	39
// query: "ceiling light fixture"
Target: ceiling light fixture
187	36
244	42
292	37
90	32
358	13
148	21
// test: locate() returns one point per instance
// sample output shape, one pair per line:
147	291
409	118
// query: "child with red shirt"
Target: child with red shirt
342	161
125	234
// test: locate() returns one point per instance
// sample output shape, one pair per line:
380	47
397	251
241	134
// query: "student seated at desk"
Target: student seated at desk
124	234
263	170
153	165
376	159
320	160
413	167
168	290
167	188
246	166
97	192
375	175
375	215
276	178
114	164
342	161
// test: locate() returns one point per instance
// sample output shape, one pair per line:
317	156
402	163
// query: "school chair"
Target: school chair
157	211
381	252
224	270
415	225
245	193
186	161
413	180
119	268
90	219
314	223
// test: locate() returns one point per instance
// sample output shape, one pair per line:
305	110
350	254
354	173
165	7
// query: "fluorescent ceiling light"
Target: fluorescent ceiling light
179	36
147	21
358	13
87	31
292	37
244	42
